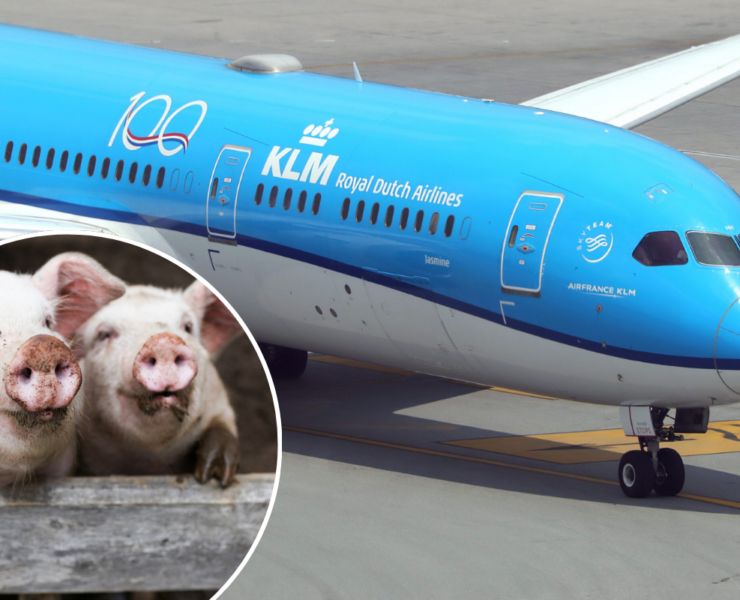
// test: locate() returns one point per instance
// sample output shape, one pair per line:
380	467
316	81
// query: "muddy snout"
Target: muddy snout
43	376
165	364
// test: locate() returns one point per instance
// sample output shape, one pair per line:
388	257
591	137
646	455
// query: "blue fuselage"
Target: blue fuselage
585	192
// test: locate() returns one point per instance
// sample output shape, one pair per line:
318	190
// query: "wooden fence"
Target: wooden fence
110	534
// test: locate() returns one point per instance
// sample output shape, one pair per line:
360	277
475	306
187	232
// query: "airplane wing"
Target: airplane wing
632	96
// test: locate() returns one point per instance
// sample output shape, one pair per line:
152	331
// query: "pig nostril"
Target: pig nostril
179	360
61	371
152	361
26	373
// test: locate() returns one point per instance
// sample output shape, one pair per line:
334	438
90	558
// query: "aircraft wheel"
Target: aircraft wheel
671	474
636	474
284	363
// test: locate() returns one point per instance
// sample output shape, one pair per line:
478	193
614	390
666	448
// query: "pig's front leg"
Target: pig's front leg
217	455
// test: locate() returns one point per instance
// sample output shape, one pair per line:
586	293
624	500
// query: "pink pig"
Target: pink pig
154	401
40	400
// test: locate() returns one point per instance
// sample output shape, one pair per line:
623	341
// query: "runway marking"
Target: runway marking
728	503
603	445
505	55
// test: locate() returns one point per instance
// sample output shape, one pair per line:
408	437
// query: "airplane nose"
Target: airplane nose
727	347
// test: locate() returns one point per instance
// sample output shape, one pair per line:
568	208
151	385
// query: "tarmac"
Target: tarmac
397	485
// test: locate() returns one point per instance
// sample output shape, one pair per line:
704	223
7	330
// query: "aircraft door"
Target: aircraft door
526	242
223	191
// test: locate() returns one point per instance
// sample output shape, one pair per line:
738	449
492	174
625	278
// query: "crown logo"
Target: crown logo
318	135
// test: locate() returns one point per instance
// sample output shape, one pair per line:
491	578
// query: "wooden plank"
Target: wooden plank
109	534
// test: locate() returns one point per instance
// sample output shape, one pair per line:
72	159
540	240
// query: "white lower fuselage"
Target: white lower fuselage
290	303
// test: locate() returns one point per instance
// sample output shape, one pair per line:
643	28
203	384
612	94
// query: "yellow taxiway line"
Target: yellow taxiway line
348	362
348	438
601	445
358	364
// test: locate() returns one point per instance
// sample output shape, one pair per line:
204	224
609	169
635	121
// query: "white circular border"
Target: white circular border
177	263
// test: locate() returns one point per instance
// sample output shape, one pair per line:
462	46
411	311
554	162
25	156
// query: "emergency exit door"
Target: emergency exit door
526	240
223	191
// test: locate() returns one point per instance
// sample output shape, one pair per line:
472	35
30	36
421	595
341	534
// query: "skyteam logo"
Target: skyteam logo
168	143
596	241
318	135
316	168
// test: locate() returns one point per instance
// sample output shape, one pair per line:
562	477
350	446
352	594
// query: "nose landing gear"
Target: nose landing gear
650	468
642	471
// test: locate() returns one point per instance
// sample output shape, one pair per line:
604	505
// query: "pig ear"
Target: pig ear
218	325
79	285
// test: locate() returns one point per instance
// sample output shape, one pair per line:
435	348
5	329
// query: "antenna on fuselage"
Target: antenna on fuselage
358	77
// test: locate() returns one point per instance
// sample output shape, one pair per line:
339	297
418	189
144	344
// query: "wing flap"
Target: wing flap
632	96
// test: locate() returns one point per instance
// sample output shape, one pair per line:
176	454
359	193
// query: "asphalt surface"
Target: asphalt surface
374	502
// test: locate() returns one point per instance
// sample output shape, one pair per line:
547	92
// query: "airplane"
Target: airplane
541	247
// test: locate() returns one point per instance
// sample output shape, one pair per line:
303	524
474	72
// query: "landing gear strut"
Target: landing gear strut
651	468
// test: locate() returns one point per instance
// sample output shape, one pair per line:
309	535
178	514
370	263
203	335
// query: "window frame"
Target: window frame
696	258
678	236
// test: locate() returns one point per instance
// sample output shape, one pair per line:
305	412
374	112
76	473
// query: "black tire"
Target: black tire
284	363
671	473
636	474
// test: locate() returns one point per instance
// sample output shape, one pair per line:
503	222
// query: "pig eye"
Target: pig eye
47	322
188	327
103	335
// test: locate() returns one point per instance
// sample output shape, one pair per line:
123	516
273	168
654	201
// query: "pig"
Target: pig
155	403
40	398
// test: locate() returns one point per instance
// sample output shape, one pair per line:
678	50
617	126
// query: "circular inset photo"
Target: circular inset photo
139	429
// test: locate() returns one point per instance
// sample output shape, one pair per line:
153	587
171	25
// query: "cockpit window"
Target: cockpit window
714	249
660	249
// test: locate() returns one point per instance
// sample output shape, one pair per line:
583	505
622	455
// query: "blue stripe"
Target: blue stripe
122	216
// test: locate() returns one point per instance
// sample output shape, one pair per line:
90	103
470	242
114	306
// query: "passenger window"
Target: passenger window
374	213
450	225
147	175
214	187
36	156
345	209
433	222
174	179
63	161
78	163
105	168
389	216
132	172
258	194
187	186
359	211
419	221
512	236
273	196
404	218
714	249
302	201
119	170
160	177
91	166
660	249
316	204
287	198
50	158
22	154
8	151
